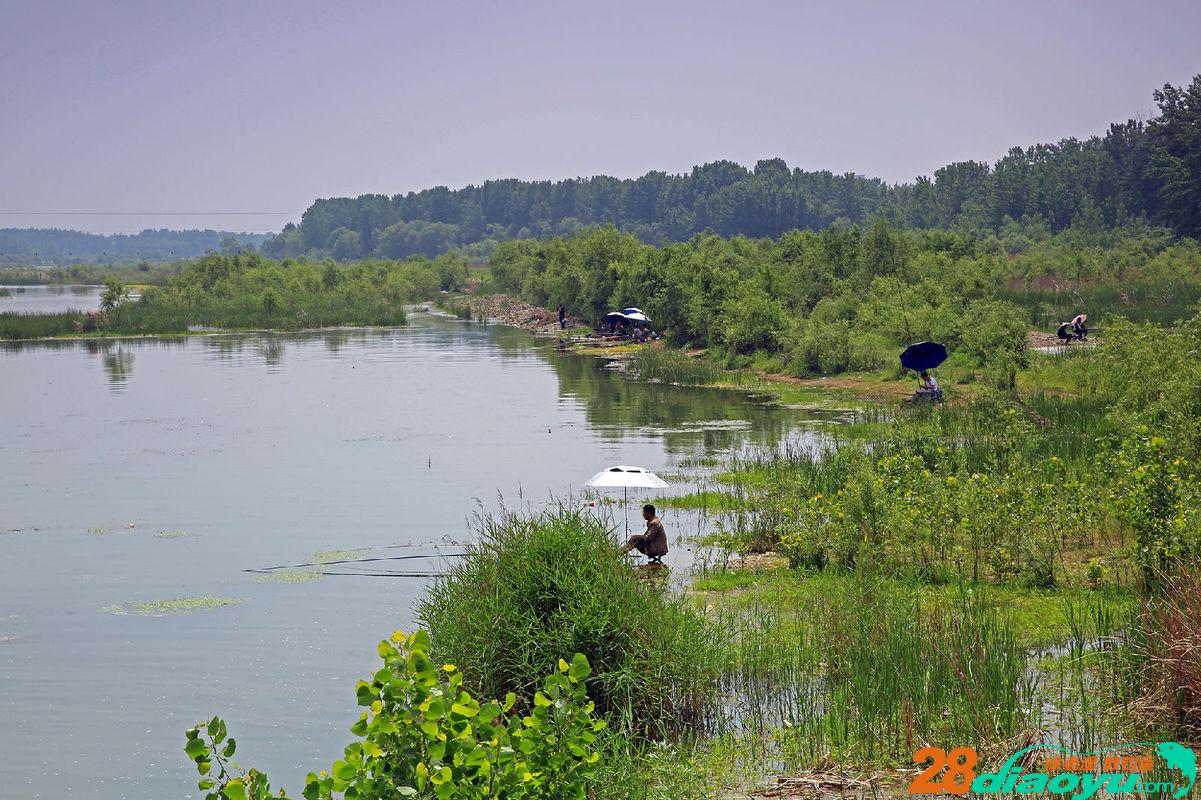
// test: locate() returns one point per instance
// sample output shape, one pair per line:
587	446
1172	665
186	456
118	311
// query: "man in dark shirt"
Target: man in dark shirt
653	543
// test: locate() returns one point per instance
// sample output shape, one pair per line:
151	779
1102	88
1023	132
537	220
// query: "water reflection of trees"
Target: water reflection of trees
271	350
687	418
118	366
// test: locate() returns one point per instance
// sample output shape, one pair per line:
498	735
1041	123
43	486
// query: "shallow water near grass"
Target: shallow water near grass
146	476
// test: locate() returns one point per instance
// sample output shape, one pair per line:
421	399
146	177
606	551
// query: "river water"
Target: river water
150	470
48	299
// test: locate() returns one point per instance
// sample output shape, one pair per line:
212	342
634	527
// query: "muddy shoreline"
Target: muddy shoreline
506	310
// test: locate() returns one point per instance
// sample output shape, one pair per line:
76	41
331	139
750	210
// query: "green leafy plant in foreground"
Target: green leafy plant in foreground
424	736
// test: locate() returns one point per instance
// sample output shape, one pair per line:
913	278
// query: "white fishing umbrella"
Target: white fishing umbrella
625	477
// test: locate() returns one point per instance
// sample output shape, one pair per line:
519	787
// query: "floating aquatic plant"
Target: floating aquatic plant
181	605
330	556
289	576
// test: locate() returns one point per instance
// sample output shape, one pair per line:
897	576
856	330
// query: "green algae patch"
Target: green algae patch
330	556
181	605
171	534
290	576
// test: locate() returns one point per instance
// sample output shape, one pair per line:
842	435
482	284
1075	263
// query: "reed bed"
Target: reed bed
859	670
672	366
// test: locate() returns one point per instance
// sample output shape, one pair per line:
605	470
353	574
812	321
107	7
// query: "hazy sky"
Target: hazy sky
261	107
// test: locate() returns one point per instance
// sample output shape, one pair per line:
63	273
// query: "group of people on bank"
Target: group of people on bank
1074	331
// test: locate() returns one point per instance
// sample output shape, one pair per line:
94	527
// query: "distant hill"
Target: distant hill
54	247
1137	170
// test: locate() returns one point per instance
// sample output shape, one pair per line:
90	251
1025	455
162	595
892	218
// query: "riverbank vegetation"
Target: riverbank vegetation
846	299
1016	566
246	291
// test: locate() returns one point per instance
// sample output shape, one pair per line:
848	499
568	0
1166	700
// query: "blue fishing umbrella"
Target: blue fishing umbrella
923	355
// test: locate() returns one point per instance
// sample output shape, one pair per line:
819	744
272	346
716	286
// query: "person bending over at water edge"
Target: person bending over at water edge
1076	330
653	543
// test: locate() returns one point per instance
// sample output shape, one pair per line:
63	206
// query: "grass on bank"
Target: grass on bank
534	588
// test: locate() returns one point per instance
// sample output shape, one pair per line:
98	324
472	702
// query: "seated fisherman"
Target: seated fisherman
653	543
929	388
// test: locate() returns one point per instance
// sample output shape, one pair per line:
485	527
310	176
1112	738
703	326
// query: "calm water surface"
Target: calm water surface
49	299
147	470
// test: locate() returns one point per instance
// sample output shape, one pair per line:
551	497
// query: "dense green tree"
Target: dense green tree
1175	160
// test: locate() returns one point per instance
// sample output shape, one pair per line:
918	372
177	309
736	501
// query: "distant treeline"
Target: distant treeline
1137	170
54	247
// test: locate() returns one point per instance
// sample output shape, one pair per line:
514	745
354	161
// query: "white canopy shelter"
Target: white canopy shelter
626	477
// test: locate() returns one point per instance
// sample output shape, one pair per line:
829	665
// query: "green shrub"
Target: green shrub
535	587
827	348
424	736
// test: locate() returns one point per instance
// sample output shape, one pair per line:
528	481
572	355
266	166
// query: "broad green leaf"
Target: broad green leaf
580	668
420	640
234	791
464	711
489	712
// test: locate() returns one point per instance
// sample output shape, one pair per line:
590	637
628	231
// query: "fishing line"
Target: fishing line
267	570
